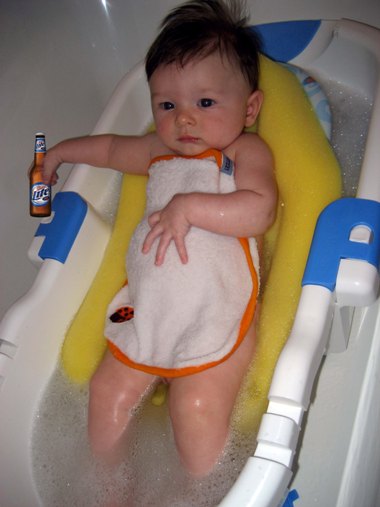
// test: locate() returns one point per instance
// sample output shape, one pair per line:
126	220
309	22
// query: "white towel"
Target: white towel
176	318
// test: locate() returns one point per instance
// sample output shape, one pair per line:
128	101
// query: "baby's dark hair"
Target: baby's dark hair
198	28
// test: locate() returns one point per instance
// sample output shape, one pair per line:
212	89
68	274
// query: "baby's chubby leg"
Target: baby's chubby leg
115	389
201	406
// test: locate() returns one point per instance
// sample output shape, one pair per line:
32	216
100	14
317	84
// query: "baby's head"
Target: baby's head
198	28
205	64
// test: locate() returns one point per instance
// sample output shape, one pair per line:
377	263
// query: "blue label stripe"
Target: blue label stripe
227	166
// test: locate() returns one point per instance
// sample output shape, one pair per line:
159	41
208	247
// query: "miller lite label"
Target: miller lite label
39	194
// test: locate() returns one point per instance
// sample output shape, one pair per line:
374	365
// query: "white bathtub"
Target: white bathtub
345	412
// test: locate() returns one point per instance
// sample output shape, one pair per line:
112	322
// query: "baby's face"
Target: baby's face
204	104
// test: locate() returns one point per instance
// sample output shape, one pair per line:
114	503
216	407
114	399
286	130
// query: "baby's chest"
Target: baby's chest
164	183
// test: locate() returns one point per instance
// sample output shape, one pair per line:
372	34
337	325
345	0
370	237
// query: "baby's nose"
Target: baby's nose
184	117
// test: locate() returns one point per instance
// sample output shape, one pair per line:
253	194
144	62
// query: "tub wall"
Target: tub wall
59	63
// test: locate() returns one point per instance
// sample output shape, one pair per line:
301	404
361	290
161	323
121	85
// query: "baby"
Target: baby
187	313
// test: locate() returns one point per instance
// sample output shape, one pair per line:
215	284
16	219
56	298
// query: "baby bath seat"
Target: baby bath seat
71	247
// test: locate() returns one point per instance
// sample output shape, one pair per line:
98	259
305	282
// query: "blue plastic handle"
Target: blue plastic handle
69	213
285	40
331	241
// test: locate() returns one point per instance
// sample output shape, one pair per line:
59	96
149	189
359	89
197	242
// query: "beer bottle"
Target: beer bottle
40	193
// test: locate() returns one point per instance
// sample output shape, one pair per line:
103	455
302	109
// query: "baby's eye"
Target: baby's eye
166	106
206	102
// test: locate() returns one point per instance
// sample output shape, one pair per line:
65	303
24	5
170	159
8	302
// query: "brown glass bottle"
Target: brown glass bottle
40	193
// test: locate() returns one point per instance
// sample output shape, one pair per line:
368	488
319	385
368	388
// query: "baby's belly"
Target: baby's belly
189	306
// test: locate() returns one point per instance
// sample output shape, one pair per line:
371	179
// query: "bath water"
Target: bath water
151	474
351	114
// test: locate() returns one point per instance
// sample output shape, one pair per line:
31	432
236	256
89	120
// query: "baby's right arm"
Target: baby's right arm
130	154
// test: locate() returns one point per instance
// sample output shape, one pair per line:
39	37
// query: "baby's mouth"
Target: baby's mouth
188	139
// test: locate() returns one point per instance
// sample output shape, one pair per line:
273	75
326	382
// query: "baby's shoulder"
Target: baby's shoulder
156	147
247	144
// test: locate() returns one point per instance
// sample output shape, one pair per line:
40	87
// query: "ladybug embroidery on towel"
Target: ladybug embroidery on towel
122	314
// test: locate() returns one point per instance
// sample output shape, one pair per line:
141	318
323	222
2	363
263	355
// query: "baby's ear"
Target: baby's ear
253	107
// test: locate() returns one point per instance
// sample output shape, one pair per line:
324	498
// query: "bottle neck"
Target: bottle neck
39	157
39	149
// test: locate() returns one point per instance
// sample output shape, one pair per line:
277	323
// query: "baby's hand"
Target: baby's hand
168	224
51	164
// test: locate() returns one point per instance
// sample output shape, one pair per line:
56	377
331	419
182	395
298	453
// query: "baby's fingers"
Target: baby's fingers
163	246
181	249
152	235
164	241
48	180
154	218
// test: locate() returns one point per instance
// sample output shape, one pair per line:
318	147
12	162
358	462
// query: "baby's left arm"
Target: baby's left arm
249	211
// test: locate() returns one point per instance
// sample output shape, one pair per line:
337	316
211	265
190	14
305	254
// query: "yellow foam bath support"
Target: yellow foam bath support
85	344
308	177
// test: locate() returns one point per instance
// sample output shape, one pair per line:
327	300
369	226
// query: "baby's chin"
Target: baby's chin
191	148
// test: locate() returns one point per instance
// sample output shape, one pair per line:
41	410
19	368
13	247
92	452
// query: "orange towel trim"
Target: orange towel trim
218	155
